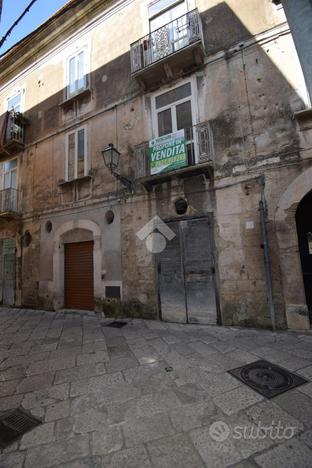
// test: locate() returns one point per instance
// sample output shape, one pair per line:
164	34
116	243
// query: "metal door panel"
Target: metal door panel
199	271
9	279
171	280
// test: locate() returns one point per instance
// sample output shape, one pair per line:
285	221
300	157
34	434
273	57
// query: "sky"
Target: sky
38	13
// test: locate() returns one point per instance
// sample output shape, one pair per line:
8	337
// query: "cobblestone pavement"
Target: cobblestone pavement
147	395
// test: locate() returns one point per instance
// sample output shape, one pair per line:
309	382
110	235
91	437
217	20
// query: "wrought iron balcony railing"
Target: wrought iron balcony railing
15	128
168	39
200	150
12	133
10	201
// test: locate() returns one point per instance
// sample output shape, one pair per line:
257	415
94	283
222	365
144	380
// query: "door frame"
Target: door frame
66	288
58	258
210	218
299	226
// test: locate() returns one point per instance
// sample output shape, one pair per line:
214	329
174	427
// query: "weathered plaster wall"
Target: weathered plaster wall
248	91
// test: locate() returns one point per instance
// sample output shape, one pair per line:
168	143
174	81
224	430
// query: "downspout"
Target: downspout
266	254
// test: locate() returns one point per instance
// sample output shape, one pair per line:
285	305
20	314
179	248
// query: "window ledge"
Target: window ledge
62	183
184	172
304	118
76	97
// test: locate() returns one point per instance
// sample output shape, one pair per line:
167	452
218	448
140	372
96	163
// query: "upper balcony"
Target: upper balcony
167	52
12	133
10	203
165	158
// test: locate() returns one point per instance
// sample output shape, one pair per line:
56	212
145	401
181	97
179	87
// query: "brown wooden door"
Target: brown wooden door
78	274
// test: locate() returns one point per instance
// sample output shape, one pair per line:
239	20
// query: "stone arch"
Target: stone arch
286	232
78	227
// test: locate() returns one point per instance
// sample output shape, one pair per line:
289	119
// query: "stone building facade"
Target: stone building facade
221	78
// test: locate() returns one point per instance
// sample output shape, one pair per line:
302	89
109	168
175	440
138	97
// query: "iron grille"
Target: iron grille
15	128
10	201
14	424
199	145
166	40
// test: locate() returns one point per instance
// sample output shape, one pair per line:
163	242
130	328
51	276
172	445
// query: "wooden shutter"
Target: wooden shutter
78	275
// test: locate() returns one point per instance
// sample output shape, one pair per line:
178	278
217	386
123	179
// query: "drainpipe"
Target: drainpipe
267	263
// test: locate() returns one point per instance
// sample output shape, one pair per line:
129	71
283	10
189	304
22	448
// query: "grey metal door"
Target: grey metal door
171	279
199	271
186	274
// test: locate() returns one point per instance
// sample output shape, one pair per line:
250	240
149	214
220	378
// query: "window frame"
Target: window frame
75	132
12	96
194	108
75	55
190	5
3	174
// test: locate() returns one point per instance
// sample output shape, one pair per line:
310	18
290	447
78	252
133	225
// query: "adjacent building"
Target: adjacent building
156	162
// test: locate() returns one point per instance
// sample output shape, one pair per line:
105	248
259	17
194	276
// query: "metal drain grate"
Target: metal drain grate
14	424
115	324
267	379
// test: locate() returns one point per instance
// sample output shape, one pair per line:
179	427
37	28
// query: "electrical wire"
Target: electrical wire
4	38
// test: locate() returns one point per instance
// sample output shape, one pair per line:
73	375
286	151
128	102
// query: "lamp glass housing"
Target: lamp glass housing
111	157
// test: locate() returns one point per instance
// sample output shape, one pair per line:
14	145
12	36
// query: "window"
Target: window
10	174
76	73
168	27
15	102
174	111
165	11
76	154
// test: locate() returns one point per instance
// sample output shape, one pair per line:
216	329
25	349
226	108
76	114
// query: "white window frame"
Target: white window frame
3	172
75	54
190	5
16	93
75	132
194	107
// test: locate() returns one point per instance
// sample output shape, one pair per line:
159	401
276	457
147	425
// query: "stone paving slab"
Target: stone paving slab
149	395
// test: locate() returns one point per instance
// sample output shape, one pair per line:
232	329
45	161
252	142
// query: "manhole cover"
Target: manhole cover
267	379
14	424
115	324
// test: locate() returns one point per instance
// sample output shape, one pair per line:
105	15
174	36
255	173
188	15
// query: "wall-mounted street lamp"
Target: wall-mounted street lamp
111	158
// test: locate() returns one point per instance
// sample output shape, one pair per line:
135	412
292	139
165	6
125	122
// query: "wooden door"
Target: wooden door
304	231
78	275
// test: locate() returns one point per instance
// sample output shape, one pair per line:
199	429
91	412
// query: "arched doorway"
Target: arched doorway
296	308
304	231
77	261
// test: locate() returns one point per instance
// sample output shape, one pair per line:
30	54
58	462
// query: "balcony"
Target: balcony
10	203
169	51
200	158
12	134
